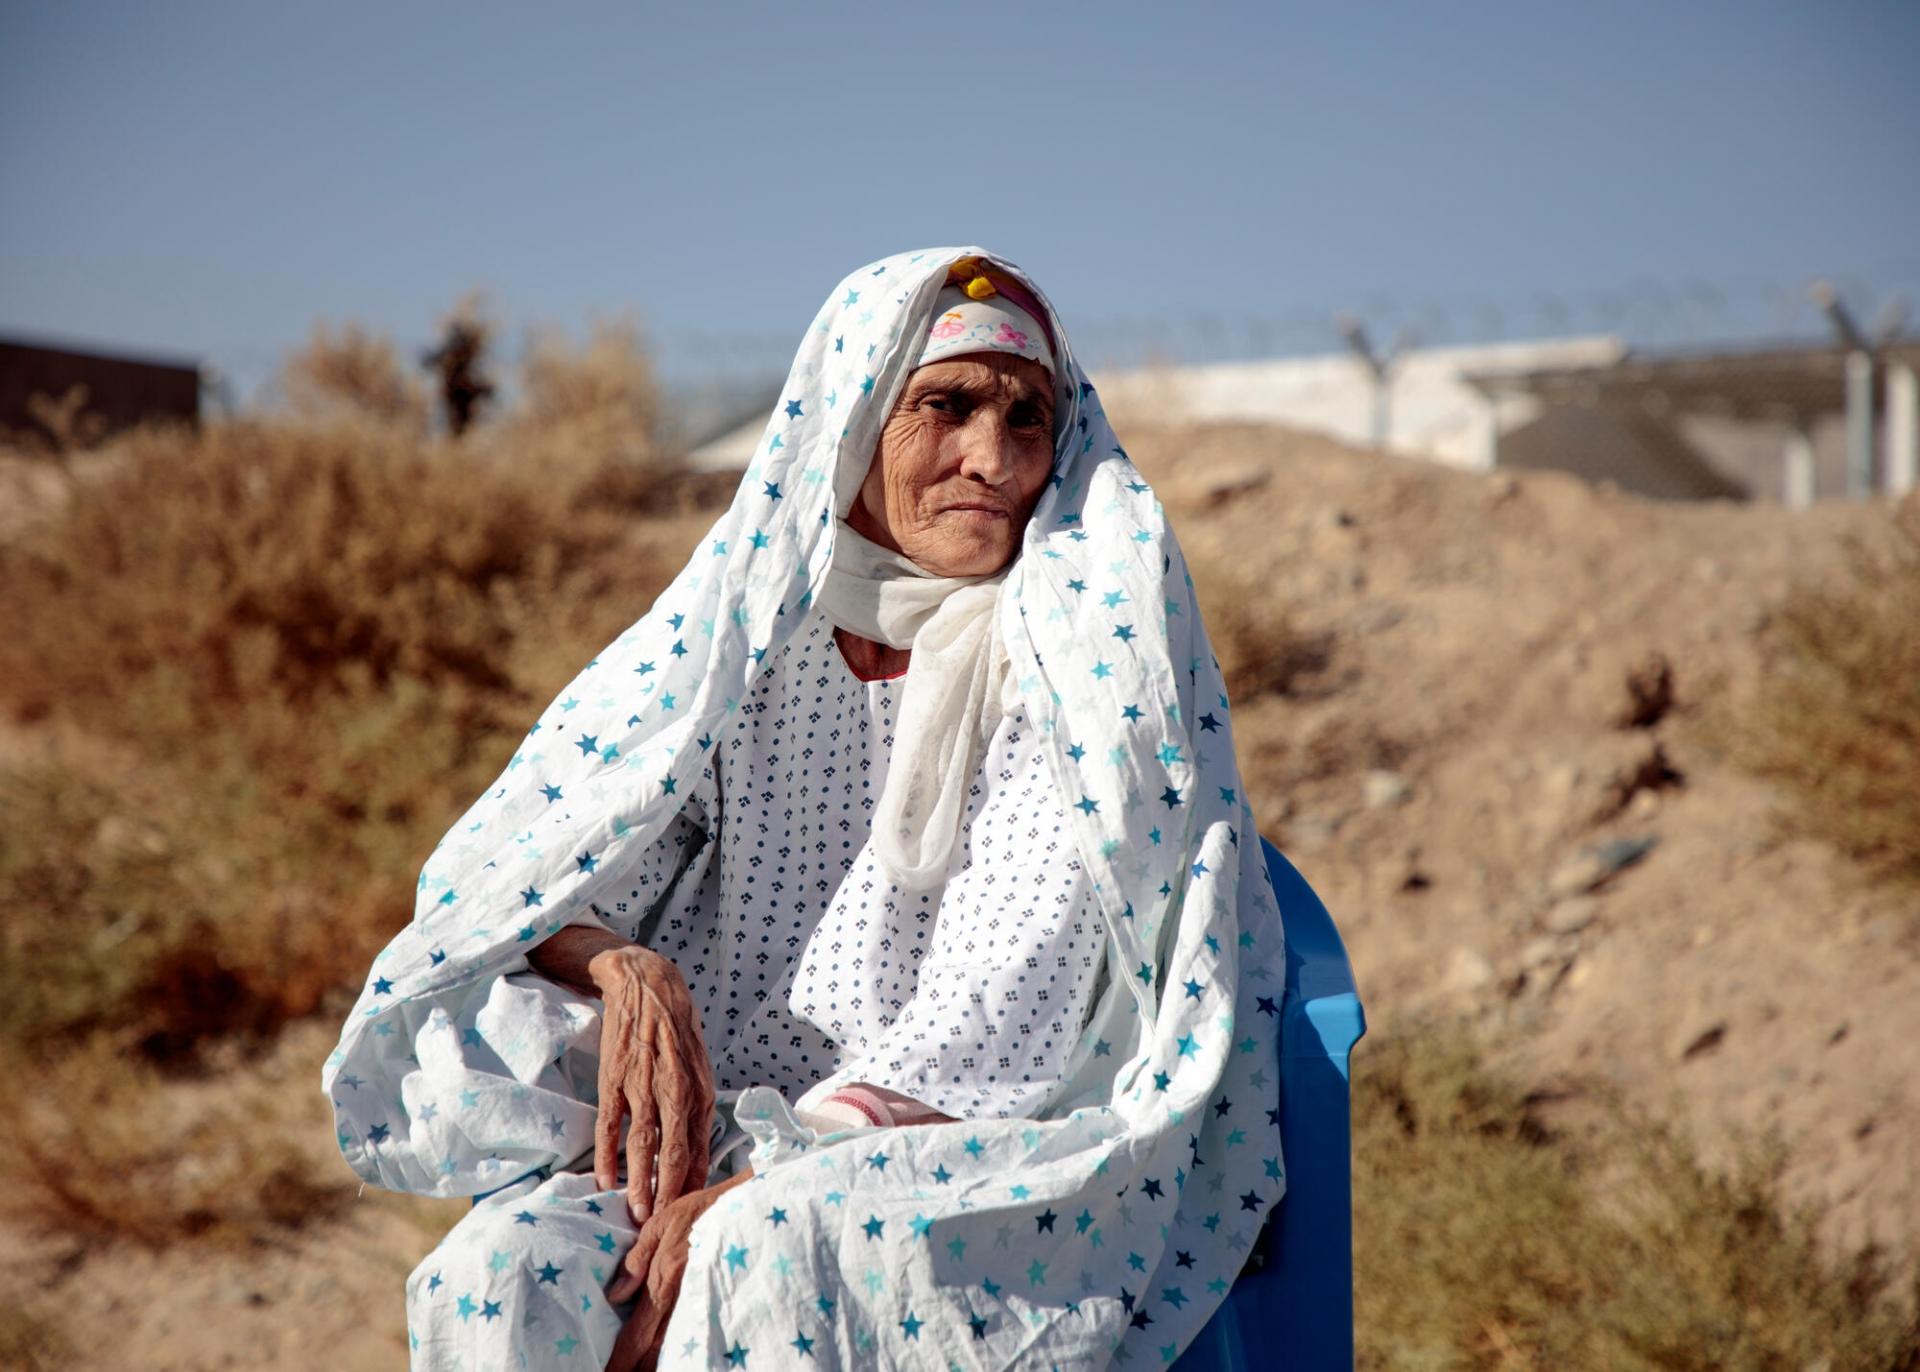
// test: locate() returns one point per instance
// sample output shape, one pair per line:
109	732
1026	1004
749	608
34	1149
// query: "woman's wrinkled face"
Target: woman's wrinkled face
960	464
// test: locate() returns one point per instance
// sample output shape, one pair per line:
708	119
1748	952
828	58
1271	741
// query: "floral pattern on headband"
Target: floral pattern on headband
952	336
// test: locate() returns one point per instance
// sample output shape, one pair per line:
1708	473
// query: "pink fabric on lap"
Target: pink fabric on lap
864	1101
885	1108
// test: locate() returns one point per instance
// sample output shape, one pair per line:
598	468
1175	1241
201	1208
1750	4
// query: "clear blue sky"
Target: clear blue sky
211	178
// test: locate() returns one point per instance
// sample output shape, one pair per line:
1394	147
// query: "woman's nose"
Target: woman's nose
986	448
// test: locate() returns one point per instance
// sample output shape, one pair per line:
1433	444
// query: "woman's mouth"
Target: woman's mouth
980	510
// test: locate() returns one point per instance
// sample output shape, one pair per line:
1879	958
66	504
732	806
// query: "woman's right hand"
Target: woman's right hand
652	1271
653	1071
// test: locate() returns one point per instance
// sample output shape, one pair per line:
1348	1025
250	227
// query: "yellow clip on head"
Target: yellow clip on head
968	274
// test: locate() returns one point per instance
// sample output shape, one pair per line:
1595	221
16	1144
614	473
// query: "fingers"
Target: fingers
646	1321
700	1119
699	1149
676	1096
687	1020
616	1051
628	1349
606	1124
699	1122
654	1077
663	1289
643	1133
633	1271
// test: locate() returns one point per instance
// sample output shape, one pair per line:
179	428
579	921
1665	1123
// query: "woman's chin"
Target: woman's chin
969	544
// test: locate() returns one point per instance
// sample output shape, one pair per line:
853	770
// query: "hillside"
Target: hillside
1489	717
1452	761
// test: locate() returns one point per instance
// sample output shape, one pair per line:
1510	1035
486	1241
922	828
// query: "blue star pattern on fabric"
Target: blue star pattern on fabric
1181	899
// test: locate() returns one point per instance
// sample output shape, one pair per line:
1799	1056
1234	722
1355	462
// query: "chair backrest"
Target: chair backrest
1293	1305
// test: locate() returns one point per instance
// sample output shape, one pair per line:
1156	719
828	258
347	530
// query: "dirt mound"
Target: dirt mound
1505	772
1487	717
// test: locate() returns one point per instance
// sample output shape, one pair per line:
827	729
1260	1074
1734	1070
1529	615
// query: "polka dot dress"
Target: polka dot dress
805	957
460	1069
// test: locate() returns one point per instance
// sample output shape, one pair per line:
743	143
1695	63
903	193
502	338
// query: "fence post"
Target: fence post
1903	426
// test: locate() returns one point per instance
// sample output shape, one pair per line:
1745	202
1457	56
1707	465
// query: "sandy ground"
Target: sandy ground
1445	780
1447	768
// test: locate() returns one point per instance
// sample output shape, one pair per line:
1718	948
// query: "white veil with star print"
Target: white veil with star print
1133	1213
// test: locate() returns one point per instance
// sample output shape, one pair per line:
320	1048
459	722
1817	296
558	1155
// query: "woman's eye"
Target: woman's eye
1025	417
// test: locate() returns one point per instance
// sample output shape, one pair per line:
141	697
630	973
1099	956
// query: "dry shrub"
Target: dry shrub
119	1154
165	908
592	414
31	1339
1483	1240
1259	644
279	655
353	374
1837	720
595	403
62	432
295	565
1720	1261
311	646
66	425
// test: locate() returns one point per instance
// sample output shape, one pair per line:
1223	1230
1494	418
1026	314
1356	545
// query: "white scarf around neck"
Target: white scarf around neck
956	691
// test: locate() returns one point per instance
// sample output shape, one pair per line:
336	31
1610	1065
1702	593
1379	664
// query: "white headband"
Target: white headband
962	324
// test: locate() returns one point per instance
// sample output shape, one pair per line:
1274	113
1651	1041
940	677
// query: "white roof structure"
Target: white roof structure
1431	410
731	452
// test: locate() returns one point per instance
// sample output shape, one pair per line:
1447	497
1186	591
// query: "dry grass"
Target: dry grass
600	397
303	647
353	373
31	1341
1837	720
1482	1240
121	1154
280	652
298	565
168	908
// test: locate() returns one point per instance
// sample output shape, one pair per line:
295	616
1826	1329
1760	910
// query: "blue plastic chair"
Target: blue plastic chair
1293	1304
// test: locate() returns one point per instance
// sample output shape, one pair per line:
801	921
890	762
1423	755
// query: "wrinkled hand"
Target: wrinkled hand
653	1268
654	1069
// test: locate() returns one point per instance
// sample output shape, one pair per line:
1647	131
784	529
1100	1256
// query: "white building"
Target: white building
1712	424
1431	410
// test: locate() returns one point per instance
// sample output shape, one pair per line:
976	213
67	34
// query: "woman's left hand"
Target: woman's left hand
653	1269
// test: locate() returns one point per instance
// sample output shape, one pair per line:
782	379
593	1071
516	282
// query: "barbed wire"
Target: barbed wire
1644	312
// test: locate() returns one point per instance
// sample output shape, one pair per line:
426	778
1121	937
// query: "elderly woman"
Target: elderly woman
867	959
